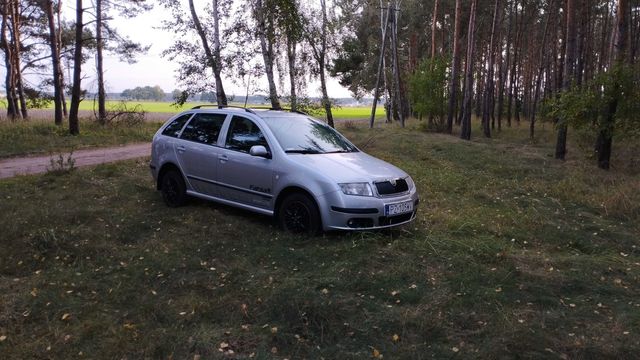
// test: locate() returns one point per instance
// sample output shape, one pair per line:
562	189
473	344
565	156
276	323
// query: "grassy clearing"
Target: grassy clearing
513	255
37	137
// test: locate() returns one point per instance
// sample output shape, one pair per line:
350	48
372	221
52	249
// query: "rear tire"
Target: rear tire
299	214
173	188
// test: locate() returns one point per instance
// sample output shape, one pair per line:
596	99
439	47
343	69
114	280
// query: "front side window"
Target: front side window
176	125
204	128
243	134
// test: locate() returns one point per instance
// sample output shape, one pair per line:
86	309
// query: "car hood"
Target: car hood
348	167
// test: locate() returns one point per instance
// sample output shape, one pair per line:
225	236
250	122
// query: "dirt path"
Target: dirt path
40	164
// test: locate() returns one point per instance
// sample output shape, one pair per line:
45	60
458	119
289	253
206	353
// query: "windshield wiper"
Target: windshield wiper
302	151
339	151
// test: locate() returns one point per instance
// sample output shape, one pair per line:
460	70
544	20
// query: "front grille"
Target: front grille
392	220
387	188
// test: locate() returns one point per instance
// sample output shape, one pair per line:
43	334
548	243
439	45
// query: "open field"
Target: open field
346	112
513	254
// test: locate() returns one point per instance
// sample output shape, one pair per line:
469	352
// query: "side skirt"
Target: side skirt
230	203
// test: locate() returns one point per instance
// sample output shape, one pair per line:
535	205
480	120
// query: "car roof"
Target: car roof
260	112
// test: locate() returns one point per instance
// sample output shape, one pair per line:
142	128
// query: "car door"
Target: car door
244	178
197	151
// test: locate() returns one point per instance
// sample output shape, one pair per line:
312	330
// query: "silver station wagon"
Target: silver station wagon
282	164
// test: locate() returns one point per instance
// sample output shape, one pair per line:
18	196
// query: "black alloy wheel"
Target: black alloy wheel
299	214
173	188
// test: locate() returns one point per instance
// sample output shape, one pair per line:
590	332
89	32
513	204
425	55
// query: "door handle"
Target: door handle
181	148
223	158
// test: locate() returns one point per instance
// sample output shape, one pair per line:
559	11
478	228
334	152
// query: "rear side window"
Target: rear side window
204	128
176	125
243	134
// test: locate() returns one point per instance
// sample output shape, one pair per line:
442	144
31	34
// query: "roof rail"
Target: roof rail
249	110
205	105
223	107
290	110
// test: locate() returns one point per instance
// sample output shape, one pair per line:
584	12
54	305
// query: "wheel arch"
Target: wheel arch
163	170
294	190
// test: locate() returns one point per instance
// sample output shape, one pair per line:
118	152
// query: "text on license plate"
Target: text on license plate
399	208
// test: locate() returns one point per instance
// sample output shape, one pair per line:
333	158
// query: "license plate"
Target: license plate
399	208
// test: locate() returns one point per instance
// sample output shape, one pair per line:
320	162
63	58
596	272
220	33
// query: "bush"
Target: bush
428	92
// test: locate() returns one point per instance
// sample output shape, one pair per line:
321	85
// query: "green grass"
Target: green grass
37	137
360	112
513	254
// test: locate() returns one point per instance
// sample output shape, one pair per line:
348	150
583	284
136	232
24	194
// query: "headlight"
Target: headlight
359	189
410	182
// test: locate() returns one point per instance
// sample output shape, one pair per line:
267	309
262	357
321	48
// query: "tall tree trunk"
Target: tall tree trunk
504	68
396	67
102	108
379	74
213	57
569	74
74	123
455	69
17	48
541	64
12	98
321	64
480	81
488	90
514	64
291	57
605	137
221	95
65	113
266	36
55	60
434	20
465	132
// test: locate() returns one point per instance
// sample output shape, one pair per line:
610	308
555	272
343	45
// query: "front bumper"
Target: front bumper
347	212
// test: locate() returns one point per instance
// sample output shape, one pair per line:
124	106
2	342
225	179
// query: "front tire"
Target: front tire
173	188
299	214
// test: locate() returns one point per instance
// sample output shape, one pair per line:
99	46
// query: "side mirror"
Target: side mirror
260	151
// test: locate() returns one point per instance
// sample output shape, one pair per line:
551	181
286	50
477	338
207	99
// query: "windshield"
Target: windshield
303	135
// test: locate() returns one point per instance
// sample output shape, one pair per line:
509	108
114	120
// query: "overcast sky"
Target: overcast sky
152	69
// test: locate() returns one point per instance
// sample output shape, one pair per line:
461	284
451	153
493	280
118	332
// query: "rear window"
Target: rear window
176	125
204	128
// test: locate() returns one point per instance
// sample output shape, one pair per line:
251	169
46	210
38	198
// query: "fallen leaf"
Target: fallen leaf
3	338
274	350
274	330
395	338
376	354
66	316
455	349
